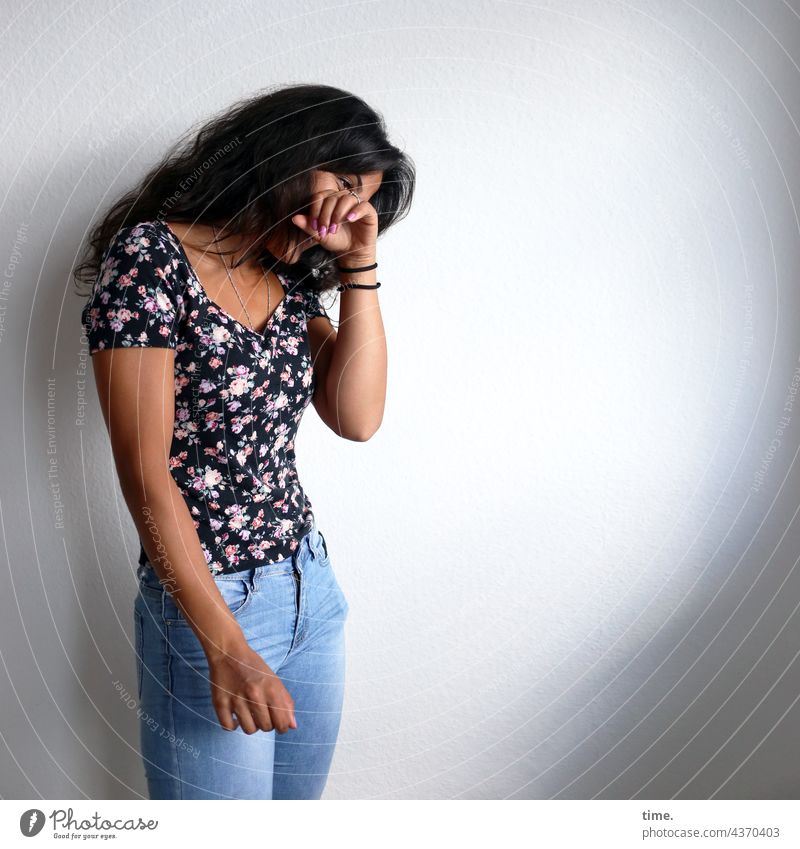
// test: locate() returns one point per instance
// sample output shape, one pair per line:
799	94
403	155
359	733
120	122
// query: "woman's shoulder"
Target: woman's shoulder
138	299
140	256
148	244
146	230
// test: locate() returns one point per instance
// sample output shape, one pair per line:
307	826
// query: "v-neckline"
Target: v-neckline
211	302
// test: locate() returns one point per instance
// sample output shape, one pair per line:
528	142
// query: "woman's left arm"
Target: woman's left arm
351	365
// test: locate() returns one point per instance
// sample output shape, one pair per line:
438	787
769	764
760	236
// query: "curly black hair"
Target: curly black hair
251	167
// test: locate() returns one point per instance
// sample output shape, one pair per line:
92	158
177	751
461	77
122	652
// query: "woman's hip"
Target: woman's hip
281	608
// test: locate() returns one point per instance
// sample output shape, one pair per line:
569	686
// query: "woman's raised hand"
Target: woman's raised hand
341	224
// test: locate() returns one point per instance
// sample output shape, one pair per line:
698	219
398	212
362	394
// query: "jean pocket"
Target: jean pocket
321	549
236	593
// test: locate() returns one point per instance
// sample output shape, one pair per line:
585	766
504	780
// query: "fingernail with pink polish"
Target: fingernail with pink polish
314	223
333	229
322	231
351	216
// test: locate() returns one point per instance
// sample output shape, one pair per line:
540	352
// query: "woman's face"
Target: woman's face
329	182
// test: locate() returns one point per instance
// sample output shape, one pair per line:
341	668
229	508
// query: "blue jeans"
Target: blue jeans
292	613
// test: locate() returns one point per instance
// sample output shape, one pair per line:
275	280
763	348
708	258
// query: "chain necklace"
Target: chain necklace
269	296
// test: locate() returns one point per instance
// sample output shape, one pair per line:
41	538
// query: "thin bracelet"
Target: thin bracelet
354	270
350	285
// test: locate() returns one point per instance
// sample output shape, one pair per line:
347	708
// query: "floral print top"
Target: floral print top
239	394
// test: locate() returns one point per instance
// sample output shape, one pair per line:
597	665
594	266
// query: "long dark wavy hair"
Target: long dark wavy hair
251	168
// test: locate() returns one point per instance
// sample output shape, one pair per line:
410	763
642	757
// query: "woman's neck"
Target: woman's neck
234	250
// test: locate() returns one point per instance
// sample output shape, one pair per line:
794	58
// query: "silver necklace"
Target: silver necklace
269	296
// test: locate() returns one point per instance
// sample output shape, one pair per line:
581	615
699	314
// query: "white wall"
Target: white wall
570	551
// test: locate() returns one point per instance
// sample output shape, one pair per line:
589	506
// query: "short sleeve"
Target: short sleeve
314	306
136	300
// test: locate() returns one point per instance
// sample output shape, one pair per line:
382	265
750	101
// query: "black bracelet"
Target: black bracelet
349	285
354	270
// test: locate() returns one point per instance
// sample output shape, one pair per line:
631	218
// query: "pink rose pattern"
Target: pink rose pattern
239	395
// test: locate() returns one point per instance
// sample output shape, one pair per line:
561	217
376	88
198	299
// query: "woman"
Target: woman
209	340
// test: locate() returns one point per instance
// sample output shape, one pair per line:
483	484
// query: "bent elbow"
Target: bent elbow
363	434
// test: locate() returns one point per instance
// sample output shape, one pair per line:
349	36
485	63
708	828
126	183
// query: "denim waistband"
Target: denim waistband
312	541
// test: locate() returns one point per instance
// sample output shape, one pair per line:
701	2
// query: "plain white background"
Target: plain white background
570	551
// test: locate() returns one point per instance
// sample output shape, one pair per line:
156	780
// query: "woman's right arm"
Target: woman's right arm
136	387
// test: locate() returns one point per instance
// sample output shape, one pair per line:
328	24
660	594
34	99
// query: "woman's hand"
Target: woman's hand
242	683
341	224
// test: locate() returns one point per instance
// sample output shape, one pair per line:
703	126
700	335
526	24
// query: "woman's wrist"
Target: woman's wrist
225	637
355	261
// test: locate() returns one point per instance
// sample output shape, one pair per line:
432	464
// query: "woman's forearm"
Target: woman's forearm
172	545
356	379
